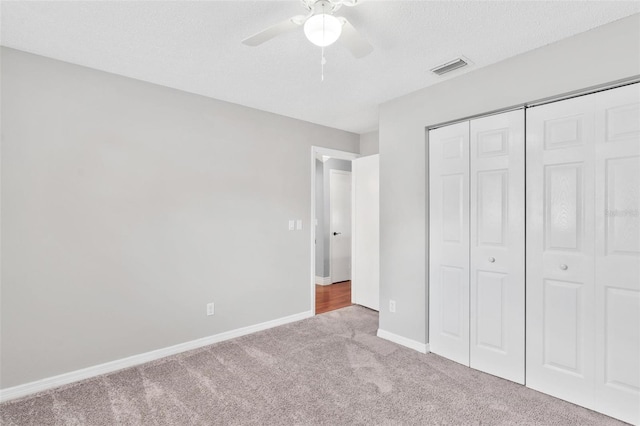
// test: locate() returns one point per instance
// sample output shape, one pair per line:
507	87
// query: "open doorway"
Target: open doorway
344	267
333	197
333	217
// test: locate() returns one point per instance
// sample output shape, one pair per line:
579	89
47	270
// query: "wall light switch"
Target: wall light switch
299	224
291	225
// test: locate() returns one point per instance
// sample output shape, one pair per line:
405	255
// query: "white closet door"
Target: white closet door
583	251
449	242
560	251
497	245
617	177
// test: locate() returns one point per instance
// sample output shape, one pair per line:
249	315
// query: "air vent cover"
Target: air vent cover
450	66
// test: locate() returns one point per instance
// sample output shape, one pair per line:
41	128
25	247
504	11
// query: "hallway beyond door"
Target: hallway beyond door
332	297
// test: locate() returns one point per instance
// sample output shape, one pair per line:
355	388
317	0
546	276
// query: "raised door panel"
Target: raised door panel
621	351
563	320
621	188
497	245
453	200
563	206
617	230
492	200
560	250
449	242
491	312
452	281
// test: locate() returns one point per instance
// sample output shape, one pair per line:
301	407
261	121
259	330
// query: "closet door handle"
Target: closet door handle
564	267
492	259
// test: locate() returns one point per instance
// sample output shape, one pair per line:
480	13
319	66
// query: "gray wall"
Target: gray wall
602	55
369	143
320	218
330	164
127	206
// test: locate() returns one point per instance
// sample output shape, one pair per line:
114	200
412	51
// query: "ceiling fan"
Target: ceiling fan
321	27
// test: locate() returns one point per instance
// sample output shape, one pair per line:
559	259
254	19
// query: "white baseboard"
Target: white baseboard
323	280
109	367
417	346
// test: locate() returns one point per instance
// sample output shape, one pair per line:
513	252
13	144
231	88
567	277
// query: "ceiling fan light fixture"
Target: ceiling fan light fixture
323	29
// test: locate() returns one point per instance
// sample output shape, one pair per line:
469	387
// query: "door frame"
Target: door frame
315	152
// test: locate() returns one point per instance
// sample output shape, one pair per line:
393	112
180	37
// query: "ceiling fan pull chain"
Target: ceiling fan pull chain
322	62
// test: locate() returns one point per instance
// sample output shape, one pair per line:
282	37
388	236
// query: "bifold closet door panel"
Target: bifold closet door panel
617	255
449	242
497	243
583	251
560	250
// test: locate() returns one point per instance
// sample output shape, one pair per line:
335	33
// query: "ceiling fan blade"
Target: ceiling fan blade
274	31
350	3
351	38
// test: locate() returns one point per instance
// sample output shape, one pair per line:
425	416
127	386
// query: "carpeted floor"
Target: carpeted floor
330	369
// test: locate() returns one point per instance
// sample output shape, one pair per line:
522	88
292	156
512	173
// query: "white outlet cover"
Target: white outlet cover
299	224
392	305
292	225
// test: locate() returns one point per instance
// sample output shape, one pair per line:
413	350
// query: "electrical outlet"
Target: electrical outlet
392	305
292	225
210	310
298	224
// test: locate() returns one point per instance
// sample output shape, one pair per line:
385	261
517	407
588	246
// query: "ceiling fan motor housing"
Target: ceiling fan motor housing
323	6
333	4
322	28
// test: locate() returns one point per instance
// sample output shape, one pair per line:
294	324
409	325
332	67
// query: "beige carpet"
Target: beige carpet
330	369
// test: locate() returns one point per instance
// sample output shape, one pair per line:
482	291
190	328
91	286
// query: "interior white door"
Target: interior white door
340	225
497	245
617	255
583	251
560	250
449	242
365	279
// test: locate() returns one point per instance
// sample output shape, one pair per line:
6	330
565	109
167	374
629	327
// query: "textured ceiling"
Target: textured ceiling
195	46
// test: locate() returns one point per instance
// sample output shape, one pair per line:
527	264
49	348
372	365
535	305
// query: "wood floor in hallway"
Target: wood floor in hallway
334	296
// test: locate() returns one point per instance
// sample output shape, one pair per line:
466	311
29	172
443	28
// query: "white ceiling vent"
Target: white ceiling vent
450	66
